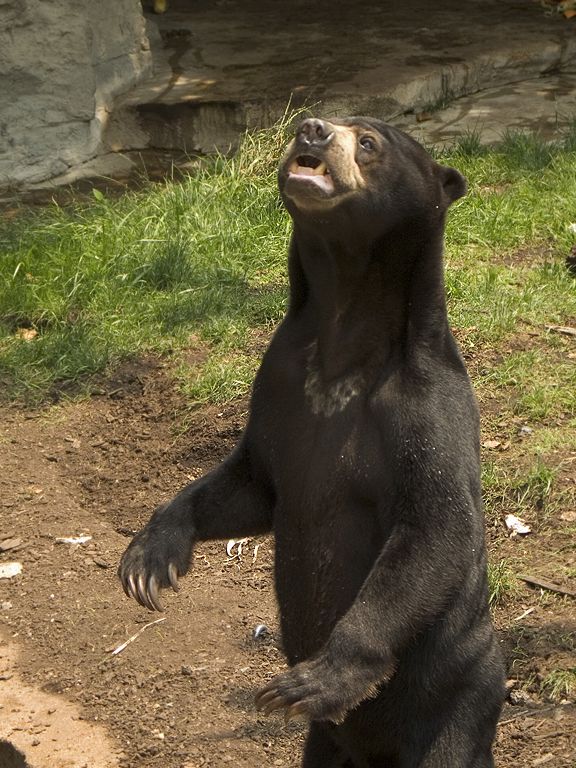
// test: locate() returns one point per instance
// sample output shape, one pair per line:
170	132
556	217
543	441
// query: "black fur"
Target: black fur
361	454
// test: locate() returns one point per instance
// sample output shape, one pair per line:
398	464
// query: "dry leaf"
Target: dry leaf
516	526
26	334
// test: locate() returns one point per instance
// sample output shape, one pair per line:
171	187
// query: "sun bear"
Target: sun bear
361	455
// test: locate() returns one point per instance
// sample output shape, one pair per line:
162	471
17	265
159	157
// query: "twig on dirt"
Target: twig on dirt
565	329
544	759
73	539
239	544
527	612
122	646
536	581
524	712
546	736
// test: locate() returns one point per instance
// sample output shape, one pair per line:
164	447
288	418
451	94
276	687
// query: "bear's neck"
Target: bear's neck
368	301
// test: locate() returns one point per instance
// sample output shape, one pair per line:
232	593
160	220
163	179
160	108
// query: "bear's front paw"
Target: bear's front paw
318	690
155	558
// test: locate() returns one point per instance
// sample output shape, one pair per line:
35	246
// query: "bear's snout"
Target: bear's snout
314	132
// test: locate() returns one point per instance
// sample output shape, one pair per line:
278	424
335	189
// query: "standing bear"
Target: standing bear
361	454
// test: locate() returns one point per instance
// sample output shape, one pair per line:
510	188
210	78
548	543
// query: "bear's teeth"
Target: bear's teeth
321	169
305	170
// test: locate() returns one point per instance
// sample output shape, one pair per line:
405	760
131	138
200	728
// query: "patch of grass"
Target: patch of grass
525	493
117	278
560	684
522	149
534	487
550	394
220	380
501	582
569	138
469	145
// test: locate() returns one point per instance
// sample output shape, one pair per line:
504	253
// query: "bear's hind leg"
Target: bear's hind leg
321	751
459	745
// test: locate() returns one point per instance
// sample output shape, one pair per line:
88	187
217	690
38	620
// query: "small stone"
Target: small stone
9	570
519	697
260	631
10	544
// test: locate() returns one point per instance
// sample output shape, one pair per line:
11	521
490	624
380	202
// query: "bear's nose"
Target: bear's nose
314	132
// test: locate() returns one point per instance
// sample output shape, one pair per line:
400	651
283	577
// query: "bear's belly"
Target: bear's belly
324	552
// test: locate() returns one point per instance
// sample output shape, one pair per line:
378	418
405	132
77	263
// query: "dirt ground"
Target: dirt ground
181	694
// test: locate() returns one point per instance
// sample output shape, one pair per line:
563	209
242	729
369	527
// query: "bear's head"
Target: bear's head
362	168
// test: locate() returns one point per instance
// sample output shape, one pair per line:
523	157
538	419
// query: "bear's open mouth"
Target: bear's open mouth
307	165
311	176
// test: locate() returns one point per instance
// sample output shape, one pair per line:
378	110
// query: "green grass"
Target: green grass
515	206
530	492
501	582
551	394
118	278
223	377
560	684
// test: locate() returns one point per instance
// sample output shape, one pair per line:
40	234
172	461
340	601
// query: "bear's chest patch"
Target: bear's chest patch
328	398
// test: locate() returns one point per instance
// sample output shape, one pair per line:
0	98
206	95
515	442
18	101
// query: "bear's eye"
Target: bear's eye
367	143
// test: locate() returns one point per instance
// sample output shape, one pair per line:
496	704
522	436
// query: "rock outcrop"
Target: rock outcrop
61	65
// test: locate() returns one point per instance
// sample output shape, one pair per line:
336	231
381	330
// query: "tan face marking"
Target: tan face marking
347	144
320	177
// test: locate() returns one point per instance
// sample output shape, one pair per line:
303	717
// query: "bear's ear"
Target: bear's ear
453	183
